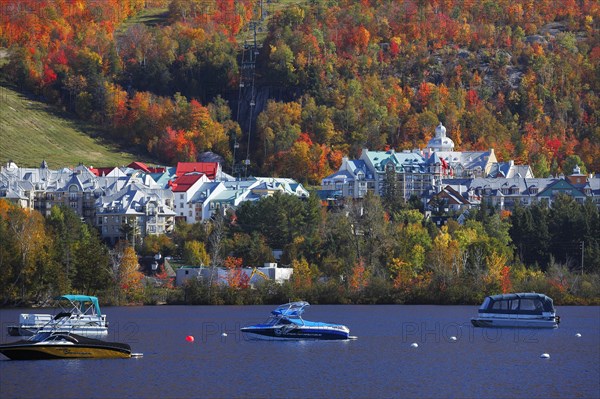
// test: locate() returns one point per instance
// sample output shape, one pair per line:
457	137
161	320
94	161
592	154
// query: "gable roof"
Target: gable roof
210	169
563	186
183	183
139	166
468	159
148	169
101	171
454	197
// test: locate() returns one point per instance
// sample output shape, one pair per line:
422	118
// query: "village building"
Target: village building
137	200
254	275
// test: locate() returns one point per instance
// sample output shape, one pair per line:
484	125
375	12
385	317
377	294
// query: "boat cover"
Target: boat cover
520	303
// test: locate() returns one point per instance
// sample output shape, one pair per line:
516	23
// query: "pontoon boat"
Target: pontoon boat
528	310
79	314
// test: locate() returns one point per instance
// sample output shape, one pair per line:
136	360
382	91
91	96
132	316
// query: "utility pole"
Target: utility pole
582	251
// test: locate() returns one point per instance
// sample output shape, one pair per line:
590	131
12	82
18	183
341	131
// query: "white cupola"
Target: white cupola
440	142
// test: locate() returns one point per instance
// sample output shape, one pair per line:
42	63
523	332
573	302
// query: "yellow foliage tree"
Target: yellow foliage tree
303	275
495	275
130	277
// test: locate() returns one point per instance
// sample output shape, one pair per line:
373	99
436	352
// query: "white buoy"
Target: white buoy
414	345
137	355
453	338
224	335
545	356
578	335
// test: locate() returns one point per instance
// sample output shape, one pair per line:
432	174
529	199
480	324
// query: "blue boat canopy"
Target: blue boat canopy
82	300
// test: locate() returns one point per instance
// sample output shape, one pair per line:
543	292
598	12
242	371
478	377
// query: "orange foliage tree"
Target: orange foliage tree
129	275
236	278
359	278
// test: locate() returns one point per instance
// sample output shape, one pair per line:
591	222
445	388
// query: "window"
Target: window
528	304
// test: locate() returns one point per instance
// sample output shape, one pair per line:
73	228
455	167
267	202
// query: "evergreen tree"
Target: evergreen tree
93	264
67	228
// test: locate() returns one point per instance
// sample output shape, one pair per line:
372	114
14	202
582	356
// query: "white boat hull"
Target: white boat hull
499	322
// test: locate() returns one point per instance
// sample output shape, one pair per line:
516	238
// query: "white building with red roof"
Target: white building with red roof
184	187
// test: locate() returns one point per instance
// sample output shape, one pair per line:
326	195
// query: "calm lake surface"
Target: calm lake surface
481	363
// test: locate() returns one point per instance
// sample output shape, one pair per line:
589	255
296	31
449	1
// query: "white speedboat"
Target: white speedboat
78	314
286	322
526	310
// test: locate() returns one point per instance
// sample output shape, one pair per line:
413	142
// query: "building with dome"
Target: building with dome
459	163
417	172
440	142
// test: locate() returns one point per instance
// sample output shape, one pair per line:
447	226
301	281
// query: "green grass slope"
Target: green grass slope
31	131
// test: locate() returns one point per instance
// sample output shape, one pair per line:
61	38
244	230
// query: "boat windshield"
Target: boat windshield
40	336
485	303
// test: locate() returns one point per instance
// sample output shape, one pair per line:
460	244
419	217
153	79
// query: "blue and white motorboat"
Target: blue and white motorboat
286	322
77	314
521	310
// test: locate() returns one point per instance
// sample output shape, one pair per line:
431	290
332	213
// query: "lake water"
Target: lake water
481	363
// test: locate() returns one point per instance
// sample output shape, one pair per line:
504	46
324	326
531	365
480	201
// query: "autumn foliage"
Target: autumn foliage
236	278
515	76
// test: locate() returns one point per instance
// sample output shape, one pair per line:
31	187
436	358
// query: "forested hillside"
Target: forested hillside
330	76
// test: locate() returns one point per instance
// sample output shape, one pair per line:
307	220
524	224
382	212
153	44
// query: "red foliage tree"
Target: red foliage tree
236	278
